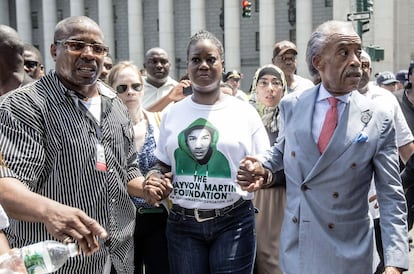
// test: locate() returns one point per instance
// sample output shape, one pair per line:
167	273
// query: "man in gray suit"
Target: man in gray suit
327	228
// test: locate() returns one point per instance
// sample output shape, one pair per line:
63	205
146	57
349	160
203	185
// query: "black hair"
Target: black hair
205	35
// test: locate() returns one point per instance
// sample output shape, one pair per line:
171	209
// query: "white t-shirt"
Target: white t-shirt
386	99
4	220
232	129
153	94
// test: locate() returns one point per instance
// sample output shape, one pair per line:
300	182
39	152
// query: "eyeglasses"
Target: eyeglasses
79	46
134	86
31	64
264	83
286	58
365	65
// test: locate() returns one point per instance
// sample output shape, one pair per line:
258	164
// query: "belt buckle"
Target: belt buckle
200	220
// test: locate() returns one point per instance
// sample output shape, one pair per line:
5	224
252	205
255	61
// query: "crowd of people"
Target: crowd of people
148	174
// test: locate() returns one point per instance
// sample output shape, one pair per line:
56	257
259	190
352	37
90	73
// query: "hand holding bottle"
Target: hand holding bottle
68	223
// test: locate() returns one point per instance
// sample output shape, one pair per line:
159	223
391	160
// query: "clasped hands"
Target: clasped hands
251	175
157	187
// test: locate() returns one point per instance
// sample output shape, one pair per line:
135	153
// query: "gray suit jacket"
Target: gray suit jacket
327	228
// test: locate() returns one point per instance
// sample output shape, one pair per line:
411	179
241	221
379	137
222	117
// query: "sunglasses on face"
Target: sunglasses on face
123	88
31	64
79	46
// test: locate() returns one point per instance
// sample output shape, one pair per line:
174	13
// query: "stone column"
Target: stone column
4	13
197	13
166	23
267	28
136	32
77	7
303	32
49	22
232	34
24	20
106	22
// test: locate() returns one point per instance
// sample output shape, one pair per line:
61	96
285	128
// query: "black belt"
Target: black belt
143	210
202	215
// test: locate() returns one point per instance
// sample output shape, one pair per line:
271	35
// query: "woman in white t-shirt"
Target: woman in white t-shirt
210	228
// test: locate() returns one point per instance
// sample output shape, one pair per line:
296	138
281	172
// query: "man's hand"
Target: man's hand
176	94
251	174
157	187
68	223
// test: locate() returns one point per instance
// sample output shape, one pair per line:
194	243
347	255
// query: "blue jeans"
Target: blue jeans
225	244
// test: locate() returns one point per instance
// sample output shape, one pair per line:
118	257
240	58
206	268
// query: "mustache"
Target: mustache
353	73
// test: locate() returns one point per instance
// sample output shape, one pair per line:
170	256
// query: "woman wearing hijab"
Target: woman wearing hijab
268	88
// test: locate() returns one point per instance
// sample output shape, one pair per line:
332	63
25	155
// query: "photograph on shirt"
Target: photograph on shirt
198	159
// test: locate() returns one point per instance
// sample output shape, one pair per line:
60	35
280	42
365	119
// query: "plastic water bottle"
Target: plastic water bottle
45	257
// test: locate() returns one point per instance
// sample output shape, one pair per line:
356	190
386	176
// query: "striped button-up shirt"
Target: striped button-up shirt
49	143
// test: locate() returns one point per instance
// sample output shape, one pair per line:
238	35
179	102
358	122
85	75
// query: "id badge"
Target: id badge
100	158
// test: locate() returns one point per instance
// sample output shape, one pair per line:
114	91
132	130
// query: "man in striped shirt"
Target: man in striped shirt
68	142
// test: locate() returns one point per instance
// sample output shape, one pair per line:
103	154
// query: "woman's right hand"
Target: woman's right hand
157	187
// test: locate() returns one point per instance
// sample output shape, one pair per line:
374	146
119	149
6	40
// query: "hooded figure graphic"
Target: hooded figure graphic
197	153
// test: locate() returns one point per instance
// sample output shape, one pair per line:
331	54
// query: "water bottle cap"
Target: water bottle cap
73	249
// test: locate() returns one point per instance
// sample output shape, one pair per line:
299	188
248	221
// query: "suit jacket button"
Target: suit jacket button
331	226
335	195
294	220
353	165
293	154
304	187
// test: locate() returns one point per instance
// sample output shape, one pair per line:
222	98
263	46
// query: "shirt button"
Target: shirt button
331	226
113	200
111	170
335	195
294	220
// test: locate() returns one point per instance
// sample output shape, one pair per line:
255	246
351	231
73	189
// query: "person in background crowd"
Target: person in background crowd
402	77
405	98
226	88
387	80
284	57
332	140
12	70
233	79
210	227
80	157
149	237
268	88
33	62
386	100
106	68
158	84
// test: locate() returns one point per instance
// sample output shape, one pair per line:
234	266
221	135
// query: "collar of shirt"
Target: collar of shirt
324	94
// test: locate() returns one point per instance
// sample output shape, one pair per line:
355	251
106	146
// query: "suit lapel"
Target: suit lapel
302	117
350	125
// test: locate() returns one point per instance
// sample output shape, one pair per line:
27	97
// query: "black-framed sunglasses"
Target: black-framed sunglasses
78	47
123	88
31	64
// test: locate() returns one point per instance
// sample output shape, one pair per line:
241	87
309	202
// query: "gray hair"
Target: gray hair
319	39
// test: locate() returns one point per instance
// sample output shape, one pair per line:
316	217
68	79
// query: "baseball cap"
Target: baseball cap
282	47
402	75
386	78
231	74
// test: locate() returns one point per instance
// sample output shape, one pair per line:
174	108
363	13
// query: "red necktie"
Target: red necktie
329	125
